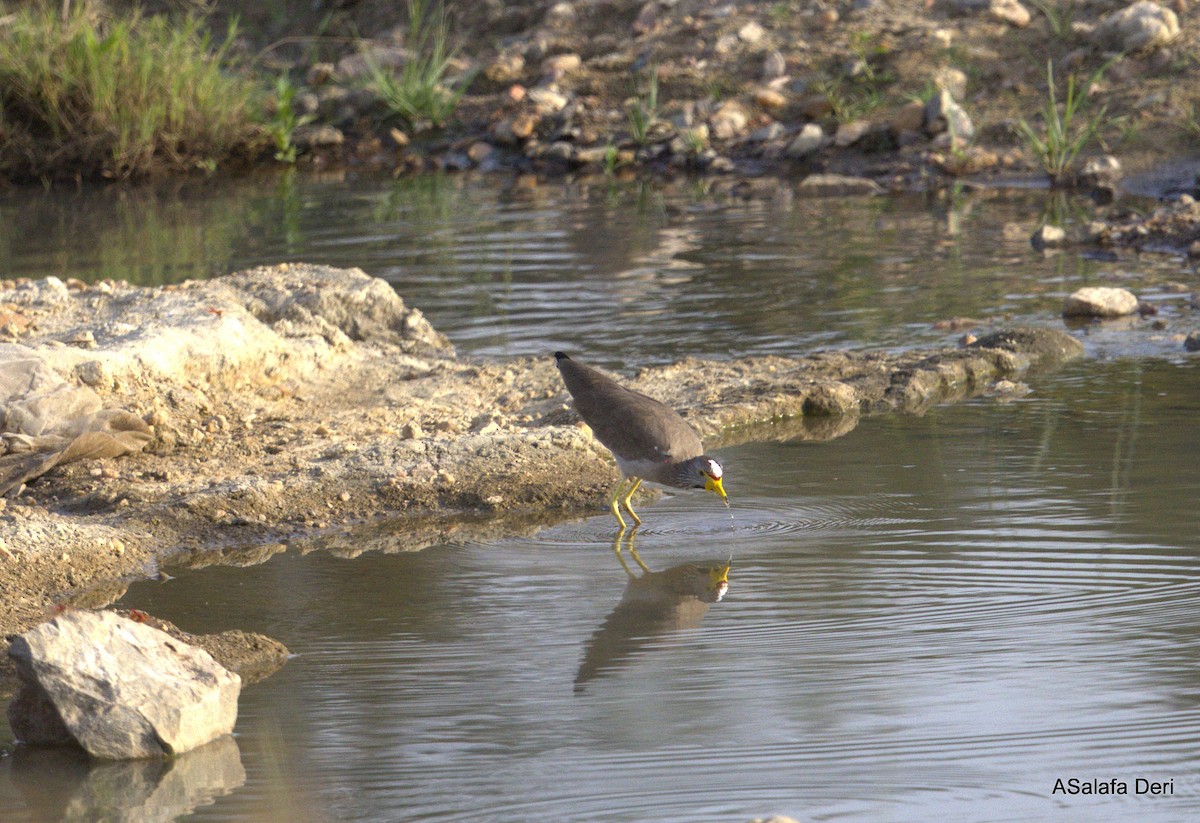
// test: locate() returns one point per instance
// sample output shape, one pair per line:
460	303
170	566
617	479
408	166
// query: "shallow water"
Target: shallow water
629	275
929	618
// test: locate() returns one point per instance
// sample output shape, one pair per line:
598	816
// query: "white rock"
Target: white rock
809	141
1100	301
952	80
1048	237
729	120
1144	25
943	113
751	33
119	689
548	100
850	133
1011	12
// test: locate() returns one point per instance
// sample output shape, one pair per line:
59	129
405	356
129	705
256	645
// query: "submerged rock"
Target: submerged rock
838	185
118	689
1046	346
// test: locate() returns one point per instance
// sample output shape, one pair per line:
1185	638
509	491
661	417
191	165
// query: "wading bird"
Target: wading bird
649	440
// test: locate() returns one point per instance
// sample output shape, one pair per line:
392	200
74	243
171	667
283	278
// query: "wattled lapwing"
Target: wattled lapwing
649	440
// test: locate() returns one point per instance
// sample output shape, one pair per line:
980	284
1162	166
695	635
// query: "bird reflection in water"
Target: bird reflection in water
653	604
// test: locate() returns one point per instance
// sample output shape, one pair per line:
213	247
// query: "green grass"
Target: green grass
1067	130
1059	14
91	97
420	92
283	123
848	101
643	111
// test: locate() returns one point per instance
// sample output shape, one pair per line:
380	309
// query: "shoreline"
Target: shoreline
308	408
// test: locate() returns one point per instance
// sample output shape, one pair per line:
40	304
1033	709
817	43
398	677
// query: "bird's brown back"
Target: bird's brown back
630	424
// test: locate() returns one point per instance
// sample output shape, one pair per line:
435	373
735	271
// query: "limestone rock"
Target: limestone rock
1100	301
117	688
1141	26
306	303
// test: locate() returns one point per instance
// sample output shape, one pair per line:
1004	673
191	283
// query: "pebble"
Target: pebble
559	66
769	99
93	373
1048	237
1192	341
771	131
1011	12
850	133
774	66
83	339
548	100
808	141
728	121
943	113
752	33
479	151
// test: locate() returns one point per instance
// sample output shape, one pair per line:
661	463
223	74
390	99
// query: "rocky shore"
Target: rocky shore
909	95
308	408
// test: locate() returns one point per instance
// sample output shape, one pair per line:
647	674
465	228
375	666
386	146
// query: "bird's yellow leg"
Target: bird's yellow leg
612	504
637	481
617	551
633	551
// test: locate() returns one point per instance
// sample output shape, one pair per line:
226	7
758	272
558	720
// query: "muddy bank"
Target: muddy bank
287	403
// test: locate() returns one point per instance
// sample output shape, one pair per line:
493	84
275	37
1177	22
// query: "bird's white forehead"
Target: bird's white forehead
714	468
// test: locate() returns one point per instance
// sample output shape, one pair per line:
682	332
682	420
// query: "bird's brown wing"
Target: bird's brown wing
630	424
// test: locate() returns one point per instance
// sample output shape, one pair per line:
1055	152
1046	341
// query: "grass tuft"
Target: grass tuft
116	97
420	92
1067	131
643	111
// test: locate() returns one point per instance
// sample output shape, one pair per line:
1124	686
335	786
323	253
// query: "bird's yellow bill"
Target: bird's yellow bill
714	485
